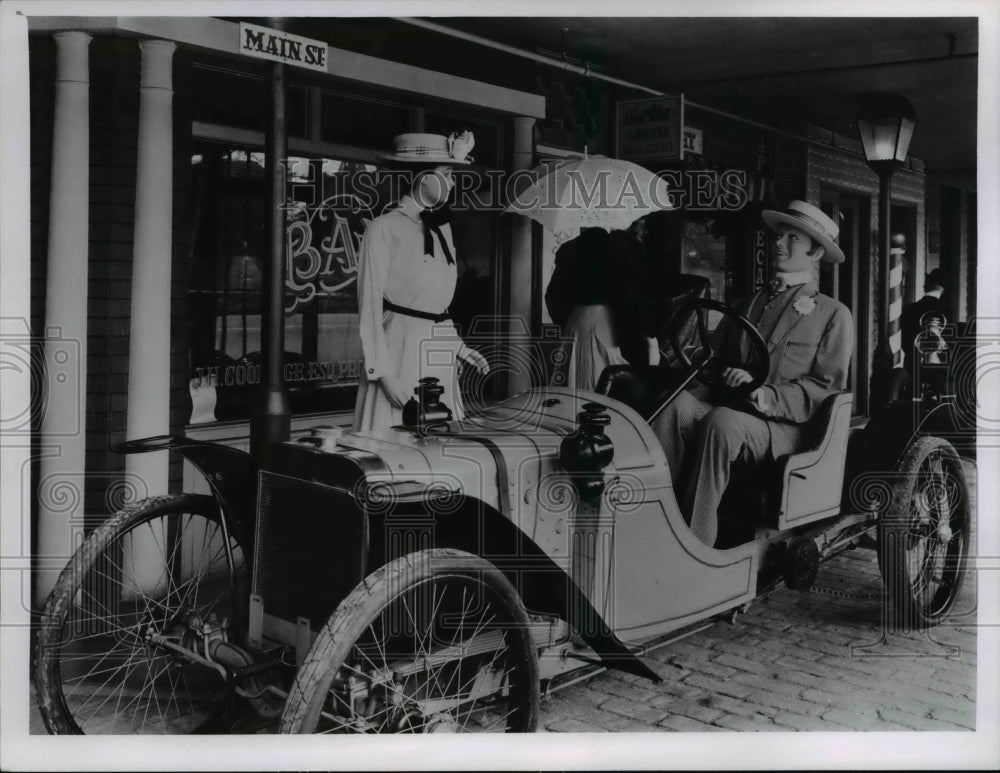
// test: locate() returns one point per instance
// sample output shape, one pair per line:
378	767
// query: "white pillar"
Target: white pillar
63	420
149	333
521	290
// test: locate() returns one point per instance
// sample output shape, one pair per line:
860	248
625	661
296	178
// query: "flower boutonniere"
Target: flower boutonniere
804	304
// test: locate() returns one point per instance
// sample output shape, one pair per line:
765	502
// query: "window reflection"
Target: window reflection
703	252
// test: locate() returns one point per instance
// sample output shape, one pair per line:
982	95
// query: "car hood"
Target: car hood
499	454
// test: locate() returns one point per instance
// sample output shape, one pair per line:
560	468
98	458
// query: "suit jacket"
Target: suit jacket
810	357
909	323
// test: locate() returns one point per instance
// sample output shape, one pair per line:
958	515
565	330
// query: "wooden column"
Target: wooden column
149	332
61	471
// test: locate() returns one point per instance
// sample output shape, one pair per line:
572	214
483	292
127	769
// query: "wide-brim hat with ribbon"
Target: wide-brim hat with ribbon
813	221
432	149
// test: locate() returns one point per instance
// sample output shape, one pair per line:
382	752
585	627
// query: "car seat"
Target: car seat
796	488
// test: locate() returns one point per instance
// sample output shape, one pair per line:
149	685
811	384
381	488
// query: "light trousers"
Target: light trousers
717	436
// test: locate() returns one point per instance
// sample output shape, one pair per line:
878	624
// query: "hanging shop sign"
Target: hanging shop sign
279	46
650	129
691	141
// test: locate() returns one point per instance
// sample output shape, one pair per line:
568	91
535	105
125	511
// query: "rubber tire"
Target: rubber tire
349	621
57	717
905	611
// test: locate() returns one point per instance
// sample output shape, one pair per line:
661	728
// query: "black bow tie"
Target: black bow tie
433	219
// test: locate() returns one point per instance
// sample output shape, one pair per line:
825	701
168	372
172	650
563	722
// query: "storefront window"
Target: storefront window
703	252
232	98
362	122
329	203
229	98
325	223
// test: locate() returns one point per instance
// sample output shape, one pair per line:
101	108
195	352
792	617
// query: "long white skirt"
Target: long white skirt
419	348
590	337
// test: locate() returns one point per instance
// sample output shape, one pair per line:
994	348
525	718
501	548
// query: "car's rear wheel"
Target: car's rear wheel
141	590
924	536
435	641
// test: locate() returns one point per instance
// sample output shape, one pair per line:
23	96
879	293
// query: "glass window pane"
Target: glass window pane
362	122
330	201
229	98
297	113
704	253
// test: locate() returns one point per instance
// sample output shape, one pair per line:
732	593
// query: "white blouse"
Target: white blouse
392	265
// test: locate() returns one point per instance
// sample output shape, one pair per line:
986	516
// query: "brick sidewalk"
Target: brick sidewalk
788	664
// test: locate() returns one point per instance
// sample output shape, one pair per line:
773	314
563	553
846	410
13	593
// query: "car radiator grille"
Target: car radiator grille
310	548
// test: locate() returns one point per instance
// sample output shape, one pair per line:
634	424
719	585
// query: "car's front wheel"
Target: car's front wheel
112	655
435	641
924	536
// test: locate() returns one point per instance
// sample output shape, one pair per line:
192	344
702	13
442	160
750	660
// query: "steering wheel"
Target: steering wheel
709	369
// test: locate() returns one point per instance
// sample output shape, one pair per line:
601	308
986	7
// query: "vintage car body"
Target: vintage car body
494	485
622	568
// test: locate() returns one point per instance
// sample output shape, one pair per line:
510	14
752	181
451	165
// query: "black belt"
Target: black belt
387	304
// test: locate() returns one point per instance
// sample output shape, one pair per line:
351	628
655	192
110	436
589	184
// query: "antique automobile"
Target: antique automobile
440	575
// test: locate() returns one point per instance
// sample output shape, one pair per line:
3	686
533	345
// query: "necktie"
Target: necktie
776	285
433	219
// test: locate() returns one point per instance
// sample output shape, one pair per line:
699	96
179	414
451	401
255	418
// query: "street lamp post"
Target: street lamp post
271	420
885	123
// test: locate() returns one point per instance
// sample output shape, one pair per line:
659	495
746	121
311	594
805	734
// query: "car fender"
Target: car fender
230	472
879	447
443	520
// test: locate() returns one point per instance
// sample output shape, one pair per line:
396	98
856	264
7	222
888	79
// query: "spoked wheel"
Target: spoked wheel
435	641
924	537
143	588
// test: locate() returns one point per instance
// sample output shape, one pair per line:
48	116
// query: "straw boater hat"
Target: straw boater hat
813	221
432	148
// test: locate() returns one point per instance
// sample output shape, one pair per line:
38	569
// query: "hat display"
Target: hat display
813	221
418	148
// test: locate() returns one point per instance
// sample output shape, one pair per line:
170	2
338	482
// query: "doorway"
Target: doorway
849	281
